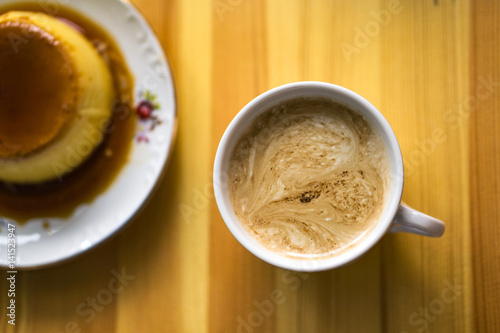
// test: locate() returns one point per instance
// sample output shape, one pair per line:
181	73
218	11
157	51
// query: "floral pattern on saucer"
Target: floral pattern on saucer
146	111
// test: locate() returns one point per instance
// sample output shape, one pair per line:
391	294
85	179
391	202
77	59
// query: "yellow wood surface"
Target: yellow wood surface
430	66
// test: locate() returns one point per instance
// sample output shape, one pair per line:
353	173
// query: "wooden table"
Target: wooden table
427	65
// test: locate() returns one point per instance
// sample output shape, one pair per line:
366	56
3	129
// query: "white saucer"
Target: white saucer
91	224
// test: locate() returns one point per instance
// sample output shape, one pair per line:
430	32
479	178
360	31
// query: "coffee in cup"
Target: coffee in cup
309	177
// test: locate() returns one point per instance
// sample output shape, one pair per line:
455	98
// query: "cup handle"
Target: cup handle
412	221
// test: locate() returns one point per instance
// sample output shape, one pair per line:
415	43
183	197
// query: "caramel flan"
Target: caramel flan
56	95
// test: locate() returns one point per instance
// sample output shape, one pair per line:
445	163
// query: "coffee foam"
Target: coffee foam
308	178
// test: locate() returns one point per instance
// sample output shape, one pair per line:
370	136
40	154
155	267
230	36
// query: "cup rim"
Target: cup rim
258	105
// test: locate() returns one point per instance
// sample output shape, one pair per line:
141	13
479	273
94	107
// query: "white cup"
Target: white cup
396	216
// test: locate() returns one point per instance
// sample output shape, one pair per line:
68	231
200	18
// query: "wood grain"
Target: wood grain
424	64
485	164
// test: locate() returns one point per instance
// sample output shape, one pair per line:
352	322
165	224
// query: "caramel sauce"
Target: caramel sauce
60	198
27	124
